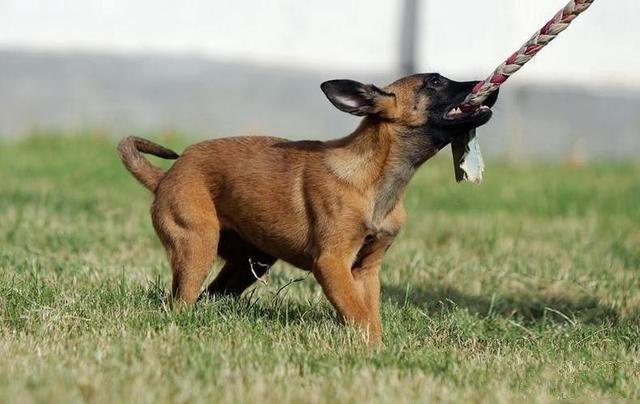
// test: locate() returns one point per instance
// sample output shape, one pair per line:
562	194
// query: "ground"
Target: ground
524	288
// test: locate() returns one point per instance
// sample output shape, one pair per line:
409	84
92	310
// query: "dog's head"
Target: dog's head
422	104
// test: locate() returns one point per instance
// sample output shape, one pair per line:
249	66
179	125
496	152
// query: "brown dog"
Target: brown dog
332	208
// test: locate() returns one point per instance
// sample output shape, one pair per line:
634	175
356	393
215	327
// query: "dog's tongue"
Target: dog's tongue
467	158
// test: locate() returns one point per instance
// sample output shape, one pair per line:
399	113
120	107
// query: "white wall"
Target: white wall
600	47
462	38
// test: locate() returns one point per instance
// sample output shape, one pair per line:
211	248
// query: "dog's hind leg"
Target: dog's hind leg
245	263
186	223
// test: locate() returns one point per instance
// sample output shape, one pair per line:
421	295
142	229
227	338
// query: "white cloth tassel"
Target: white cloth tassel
467	158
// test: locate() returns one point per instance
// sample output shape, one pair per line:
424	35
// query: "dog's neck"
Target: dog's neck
379	158
359	158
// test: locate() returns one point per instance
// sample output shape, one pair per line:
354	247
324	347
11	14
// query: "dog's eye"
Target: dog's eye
435	81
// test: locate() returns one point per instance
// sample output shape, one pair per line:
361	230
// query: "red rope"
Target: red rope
539	40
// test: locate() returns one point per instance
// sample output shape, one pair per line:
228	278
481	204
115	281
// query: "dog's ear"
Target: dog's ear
357	98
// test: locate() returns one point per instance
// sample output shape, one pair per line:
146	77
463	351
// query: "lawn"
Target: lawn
526	288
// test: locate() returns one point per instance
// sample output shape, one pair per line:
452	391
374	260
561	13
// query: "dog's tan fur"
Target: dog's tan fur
332	208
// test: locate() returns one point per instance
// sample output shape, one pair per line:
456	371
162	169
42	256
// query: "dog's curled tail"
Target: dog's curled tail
147	174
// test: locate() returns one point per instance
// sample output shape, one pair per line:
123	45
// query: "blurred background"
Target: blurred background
220	68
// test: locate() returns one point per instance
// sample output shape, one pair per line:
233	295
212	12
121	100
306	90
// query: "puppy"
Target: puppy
332	208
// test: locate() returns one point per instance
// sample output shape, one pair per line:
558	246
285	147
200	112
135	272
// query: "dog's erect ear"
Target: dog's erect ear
356	98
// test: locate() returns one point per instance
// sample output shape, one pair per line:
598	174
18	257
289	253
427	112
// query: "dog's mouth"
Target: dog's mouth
456	114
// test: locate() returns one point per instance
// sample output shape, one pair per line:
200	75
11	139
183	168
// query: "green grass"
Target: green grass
525	288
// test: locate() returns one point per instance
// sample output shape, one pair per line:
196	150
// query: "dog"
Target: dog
332	208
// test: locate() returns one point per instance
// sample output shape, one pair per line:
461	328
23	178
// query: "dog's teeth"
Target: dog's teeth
455	111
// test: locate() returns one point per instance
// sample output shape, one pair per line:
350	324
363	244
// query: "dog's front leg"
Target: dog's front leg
367	280
334	275
366	273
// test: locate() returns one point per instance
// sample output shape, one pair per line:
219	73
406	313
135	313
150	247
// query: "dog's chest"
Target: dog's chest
389	191
386	226
380	236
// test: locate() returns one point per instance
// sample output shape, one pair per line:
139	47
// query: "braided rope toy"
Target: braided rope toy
468	161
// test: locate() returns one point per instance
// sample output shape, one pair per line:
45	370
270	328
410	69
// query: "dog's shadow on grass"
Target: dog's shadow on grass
528	309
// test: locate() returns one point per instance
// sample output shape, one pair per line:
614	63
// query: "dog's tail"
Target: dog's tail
147	174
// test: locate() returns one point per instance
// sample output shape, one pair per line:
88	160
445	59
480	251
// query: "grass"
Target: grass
526	288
